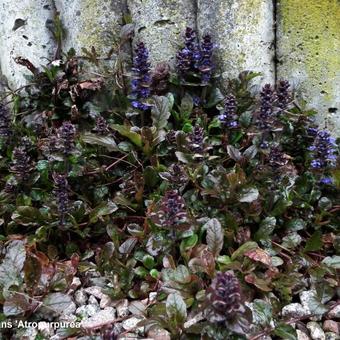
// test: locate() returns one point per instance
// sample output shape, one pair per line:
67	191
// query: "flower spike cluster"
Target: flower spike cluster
187	57
283	94
21	163
194	57
267	109
229	117
141	83
196	139
61	192
66	134
323	150
102	128
5	121
224	298
206	65
172	213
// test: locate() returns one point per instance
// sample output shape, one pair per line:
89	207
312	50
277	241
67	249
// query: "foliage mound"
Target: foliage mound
225	204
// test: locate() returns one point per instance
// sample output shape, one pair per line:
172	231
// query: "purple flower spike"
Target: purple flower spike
140	85
229	117
206	65
323	150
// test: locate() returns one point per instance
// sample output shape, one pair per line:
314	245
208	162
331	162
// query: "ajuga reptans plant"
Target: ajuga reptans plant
203	207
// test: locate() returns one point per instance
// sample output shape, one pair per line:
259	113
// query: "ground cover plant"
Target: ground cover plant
212	215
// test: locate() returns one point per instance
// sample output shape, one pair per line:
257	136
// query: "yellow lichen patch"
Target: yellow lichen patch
99	25
310	40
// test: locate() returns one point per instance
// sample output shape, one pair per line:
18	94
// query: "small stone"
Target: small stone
80	297
152	297
27	333
331	326
105	301
82	312
301	335
159	334
131	324
76	283
316	331
95	291
334	313
45	329
122	308
129	336
332	336
68	318
87	311
295	310
100	319
305	297
70	308
93	301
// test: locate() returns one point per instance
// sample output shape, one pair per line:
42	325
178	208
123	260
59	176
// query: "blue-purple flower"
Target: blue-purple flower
194	57
229	117
171	213
189	56
326	180
206	64
21	164
101	127
277	158
66	134
61	194
283	94
196	140
5	121
224	298
323	151
267	95
140	85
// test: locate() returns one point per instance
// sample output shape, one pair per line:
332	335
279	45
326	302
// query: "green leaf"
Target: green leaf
58	302
267	227
127	246
296	224
181	274
315	242
125	131
160	111
187	104
106	141
148	261
249	195
150	176
315	305
332	261
13	263
243	249
215	97
215	236
189	242
234	153
17	304
42	165
105	208
176	308
286	332
292	240
32	271
26	215
262	312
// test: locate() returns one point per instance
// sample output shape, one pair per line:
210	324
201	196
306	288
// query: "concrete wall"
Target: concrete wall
297	40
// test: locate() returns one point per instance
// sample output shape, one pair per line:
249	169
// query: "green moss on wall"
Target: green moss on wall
311	39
